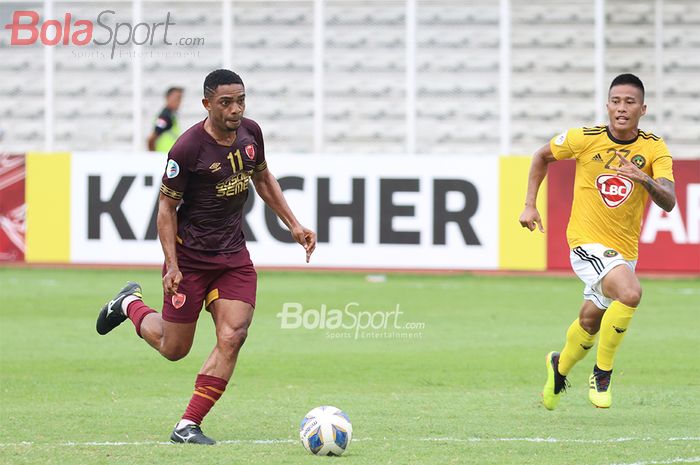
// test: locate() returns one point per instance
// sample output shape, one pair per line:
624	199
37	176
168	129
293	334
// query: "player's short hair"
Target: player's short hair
630	79
220	77
173	89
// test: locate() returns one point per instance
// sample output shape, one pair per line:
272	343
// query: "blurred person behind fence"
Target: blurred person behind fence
166	129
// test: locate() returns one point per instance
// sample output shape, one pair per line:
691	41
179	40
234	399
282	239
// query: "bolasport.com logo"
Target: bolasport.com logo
351	322
27	29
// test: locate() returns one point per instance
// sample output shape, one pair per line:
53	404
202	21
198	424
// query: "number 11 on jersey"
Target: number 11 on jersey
238	158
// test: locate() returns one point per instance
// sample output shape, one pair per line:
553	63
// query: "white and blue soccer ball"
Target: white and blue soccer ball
326	431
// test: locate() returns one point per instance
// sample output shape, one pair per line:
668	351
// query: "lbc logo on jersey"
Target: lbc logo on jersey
614	189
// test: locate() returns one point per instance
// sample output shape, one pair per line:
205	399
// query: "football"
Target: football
325	431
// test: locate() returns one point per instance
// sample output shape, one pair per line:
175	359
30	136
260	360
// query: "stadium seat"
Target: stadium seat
630	37
457	66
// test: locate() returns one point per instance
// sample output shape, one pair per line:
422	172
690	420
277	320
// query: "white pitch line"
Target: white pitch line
143	443
553	440
549	440
664	462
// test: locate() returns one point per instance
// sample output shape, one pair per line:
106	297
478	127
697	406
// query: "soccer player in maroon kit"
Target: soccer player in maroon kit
200	214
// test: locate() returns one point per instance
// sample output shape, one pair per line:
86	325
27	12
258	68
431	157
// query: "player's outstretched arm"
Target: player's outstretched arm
151	141
662	191
269	190
167	232
538	170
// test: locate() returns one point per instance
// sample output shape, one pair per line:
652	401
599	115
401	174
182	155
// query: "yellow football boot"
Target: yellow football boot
599	392
556	382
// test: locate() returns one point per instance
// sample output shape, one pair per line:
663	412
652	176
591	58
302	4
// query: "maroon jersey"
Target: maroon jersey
212	182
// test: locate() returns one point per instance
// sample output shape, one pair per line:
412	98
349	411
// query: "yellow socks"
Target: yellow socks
578	343
612	329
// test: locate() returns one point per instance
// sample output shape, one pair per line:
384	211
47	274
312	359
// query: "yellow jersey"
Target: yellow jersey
607	207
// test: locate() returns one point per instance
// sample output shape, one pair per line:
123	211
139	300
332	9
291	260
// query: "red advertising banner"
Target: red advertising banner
560	194
669	242
12	207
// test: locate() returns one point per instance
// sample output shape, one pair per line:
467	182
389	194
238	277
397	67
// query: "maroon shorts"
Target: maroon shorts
207	277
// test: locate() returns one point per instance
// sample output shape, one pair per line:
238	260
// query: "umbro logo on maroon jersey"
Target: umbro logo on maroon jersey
215	167
250	151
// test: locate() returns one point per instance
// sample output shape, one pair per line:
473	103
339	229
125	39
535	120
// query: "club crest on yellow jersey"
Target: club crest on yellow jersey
639	161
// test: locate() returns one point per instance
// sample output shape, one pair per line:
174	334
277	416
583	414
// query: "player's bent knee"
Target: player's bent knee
589	318
590	325
174	356
233	338
631	296
175	353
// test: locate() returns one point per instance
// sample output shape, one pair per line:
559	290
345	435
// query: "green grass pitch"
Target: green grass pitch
467	392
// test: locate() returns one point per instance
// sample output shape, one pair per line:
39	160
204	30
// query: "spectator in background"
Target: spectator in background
166	130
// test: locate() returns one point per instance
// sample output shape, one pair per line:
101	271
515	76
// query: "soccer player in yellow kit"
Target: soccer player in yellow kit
617	167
